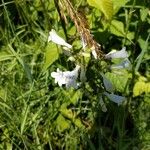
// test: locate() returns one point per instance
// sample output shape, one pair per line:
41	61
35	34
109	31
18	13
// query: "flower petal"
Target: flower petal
119	54
124	64
57	39
115	98
68	77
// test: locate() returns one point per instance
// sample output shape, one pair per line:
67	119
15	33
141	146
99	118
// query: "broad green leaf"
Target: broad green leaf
78	123
105	6
72	116
76	96
117	28
130	35
72	96
93	2
141	87
147	87
52	54
138	88
144	13
119	80
118	4
67	113
72	30
107	84
62	123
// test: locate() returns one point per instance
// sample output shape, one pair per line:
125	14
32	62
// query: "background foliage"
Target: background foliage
35	113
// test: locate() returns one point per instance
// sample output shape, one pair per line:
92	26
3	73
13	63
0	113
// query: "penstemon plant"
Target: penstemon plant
92	90
89	46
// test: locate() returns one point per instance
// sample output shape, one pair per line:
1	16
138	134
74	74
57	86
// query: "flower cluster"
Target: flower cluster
69	78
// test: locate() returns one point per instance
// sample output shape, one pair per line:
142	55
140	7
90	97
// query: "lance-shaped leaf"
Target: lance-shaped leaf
117	28
52	54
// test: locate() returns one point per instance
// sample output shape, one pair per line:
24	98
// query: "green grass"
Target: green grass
35	113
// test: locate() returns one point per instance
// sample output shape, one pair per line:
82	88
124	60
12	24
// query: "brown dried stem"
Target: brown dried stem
82	27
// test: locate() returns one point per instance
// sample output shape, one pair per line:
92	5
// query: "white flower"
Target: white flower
115	98
57	39
119	54
68	77
59	77
124	64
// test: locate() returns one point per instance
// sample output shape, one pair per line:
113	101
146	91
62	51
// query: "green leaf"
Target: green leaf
76	96
24	118
119	80
144	46
52	54
138	88
78	123
130	35
67	113
105	6
117	28
141	87
107	84
93	3
72	96
62	123
118	4
144	13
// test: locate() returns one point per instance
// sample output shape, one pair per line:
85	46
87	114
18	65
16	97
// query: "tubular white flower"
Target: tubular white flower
124	64
59	77
57	39
115	98
68	77
119	54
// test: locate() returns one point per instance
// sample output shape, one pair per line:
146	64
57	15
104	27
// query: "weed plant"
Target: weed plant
35	113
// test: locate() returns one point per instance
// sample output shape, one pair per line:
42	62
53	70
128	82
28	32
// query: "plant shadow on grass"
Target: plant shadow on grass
113	130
